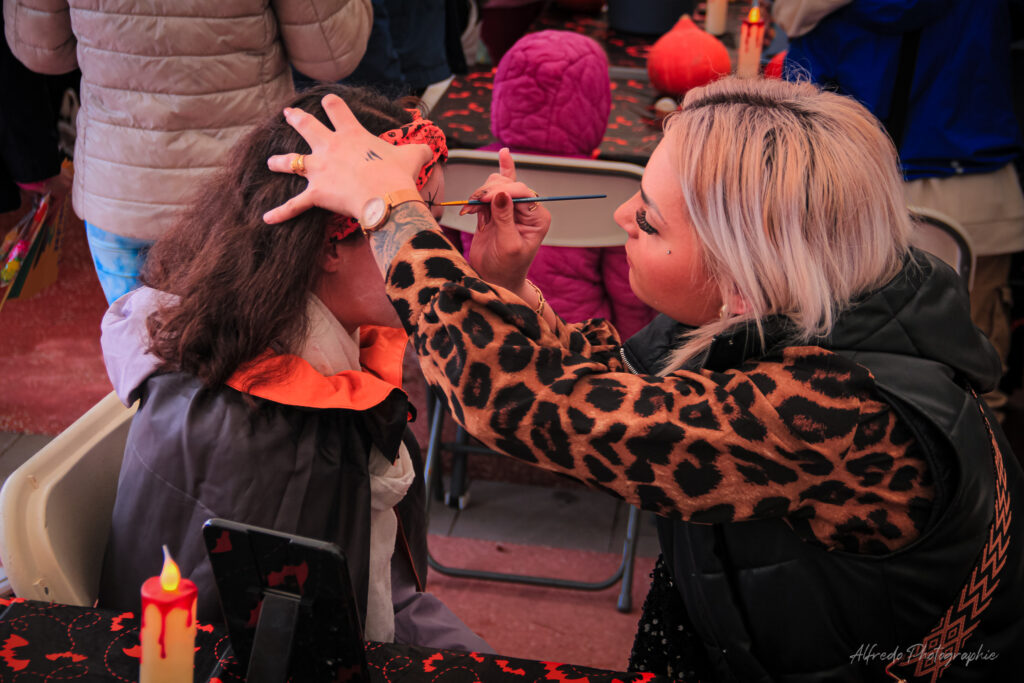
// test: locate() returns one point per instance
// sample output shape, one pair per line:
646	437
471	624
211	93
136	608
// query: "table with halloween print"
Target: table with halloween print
627	50
634	128
47	641
623	49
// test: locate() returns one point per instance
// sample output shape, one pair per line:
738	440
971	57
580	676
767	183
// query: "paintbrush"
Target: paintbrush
528	200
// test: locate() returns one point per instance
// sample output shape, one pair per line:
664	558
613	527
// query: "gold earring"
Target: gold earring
723	312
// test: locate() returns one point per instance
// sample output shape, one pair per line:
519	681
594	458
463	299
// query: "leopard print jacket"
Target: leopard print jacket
804	437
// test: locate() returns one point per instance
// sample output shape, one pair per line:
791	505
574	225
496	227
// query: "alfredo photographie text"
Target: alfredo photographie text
869	653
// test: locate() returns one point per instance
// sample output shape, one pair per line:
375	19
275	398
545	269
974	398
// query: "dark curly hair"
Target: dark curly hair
241	284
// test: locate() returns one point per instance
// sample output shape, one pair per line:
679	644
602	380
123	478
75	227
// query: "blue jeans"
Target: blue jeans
118	260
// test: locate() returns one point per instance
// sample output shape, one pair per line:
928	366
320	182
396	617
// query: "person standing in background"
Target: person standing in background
406	51
166	91
30	155
937	74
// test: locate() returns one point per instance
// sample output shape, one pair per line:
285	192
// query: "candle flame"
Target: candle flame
170	575
755	15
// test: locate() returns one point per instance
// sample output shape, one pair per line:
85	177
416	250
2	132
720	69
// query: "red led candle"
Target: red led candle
168	632
748	62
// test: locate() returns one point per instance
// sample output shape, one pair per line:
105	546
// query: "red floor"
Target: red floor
575	627
50	358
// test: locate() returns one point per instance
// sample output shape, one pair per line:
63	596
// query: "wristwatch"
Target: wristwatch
377	209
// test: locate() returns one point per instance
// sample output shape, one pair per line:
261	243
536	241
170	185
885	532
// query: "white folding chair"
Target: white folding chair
937	233
55	509
584	223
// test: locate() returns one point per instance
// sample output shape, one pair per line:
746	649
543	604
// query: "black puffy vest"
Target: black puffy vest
770	607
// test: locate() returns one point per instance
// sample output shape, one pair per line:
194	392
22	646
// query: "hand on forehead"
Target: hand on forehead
419	131
349	165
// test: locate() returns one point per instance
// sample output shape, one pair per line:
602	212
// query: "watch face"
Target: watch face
373	212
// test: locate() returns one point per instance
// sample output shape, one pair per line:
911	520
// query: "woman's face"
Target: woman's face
666	264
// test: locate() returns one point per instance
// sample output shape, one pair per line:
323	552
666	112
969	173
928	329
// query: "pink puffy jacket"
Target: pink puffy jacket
552	96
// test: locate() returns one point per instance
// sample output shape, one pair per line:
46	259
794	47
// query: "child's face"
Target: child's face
352	287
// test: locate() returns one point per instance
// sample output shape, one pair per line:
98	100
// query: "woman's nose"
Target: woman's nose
624	216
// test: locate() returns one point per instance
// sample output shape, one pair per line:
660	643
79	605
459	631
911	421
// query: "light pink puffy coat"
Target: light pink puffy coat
552	95
168	86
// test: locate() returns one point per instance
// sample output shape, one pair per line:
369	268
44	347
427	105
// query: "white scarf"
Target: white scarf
330	349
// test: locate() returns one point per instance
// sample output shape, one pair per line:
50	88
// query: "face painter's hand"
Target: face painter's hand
507	235
347	165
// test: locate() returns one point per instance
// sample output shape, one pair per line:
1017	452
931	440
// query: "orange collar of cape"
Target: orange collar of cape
295	382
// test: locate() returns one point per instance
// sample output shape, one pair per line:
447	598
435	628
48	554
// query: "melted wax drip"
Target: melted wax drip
165	605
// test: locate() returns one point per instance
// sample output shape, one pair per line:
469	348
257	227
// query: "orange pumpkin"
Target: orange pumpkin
686	57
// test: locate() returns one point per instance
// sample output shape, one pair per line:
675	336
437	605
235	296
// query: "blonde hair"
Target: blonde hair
797	200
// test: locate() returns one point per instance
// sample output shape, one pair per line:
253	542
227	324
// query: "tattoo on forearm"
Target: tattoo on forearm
404	222
371	155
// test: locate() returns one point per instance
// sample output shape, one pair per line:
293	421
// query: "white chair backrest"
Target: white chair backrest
580	223
938	234
55	509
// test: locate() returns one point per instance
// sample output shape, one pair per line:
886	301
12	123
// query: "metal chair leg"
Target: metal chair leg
625	603
458	481
623	573
433	486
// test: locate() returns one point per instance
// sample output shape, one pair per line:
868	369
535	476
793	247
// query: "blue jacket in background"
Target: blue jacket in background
960	116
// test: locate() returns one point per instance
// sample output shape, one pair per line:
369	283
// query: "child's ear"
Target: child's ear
331	260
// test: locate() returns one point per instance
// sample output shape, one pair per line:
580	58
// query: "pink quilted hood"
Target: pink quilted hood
552	93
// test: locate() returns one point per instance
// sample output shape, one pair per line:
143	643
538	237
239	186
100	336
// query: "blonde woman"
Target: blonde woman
833	499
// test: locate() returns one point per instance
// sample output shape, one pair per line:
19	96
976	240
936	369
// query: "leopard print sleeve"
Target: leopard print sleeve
803	437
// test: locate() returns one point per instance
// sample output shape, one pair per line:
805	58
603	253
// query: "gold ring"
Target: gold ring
299	164
533	205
